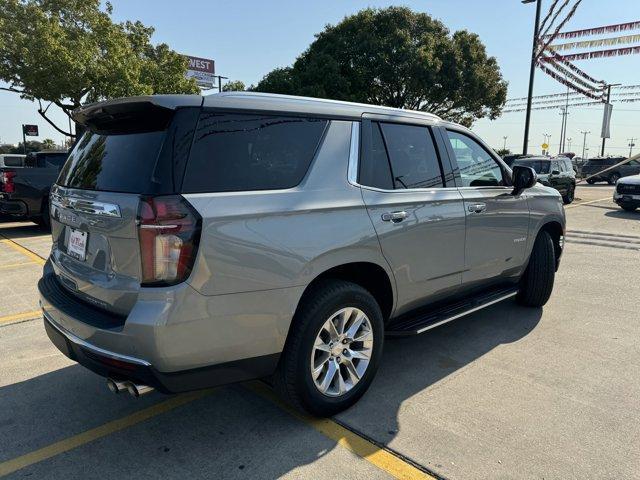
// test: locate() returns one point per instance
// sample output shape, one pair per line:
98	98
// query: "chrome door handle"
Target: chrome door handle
477	207
395	217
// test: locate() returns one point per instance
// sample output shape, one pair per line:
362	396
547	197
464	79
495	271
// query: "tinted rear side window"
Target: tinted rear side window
117	163
13	161
240	152
414	161
375	170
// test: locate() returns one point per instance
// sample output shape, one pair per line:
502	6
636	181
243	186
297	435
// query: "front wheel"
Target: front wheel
629	208
333	349
613	178
570	195
537	282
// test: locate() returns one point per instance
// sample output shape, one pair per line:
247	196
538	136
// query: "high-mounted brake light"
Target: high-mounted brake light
169	232
7	182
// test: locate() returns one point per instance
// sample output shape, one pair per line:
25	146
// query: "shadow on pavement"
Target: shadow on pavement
233	433
619	213
13	230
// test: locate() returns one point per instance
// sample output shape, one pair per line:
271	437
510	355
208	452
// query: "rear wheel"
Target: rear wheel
333	349
591	181
568	198
537	282
628	208
613	178
44	221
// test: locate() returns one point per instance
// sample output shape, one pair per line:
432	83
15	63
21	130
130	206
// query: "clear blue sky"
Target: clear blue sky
247	39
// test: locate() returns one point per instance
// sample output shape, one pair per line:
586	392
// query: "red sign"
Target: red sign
30	130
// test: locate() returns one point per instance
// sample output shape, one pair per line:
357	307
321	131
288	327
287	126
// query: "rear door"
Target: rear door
497	222
418	214
95	202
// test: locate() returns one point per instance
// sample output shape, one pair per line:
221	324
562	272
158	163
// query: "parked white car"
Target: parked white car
627	192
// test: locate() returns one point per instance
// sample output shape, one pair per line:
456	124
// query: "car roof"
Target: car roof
267	102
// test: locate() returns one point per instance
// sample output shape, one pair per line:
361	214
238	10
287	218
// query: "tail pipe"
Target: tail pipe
134	389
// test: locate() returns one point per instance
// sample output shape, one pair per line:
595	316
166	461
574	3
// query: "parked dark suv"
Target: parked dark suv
595	165
554	172
204	240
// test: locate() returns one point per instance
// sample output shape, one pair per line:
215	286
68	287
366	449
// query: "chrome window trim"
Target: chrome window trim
82	205
354	151
354	159
86	345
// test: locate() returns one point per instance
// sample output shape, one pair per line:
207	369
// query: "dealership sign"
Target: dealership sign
203	70
30	130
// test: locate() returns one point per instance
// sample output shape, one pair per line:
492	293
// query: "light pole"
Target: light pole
584	141
631	145
532	71
569	144
504	147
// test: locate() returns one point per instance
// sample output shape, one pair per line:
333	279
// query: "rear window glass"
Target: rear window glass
13	161
540	166
240	152
51	160
116	163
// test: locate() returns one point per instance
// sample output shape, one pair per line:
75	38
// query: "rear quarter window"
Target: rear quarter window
241	152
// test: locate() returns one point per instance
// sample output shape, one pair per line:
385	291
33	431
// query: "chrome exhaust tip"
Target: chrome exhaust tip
136	390
116	386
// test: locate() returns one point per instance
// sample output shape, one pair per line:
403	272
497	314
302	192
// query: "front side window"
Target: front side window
242	152
477	167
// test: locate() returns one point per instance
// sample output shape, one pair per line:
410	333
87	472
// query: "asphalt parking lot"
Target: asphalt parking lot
507	392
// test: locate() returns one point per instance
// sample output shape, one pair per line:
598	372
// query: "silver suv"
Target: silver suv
205	240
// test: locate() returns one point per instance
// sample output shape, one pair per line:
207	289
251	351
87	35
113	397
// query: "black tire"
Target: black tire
628	208
293	380
44	221
537	282
613	178
591	181
568	198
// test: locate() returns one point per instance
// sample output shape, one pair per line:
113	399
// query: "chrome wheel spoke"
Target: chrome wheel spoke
336	367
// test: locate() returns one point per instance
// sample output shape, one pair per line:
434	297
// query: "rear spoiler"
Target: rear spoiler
133	114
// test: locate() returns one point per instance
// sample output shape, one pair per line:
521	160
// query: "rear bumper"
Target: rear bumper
13	207
123	367
174	338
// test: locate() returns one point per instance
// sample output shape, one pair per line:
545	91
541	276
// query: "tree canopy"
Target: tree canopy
234	86
399	58
69	52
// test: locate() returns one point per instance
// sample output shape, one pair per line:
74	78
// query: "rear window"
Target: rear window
51	160
540	166
13	161
240	152
117	163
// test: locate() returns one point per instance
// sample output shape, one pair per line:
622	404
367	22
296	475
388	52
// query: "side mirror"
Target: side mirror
523	178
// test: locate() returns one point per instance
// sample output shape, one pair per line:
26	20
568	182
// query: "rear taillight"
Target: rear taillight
169	232
7	182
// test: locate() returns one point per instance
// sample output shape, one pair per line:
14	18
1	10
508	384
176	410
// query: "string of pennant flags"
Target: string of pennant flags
616	87
621	27
614	52
602	42
561	98
522	108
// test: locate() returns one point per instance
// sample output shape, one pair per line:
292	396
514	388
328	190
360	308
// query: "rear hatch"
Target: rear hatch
132	153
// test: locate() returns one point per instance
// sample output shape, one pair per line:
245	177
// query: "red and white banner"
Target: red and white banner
614	52
568	74
621	27
602	42
564	81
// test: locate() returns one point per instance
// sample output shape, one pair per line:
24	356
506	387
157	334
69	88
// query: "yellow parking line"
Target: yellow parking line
20	316
80	439
12	265
25	251
381	458
590	201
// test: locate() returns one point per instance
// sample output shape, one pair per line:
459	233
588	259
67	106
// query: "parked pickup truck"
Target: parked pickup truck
24	192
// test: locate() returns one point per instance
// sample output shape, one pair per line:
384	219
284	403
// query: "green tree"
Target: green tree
48	144
503	151
69	52
234	86
398	58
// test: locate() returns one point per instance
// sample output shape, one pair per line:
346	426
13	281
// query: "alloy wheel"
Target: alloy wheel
341	352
